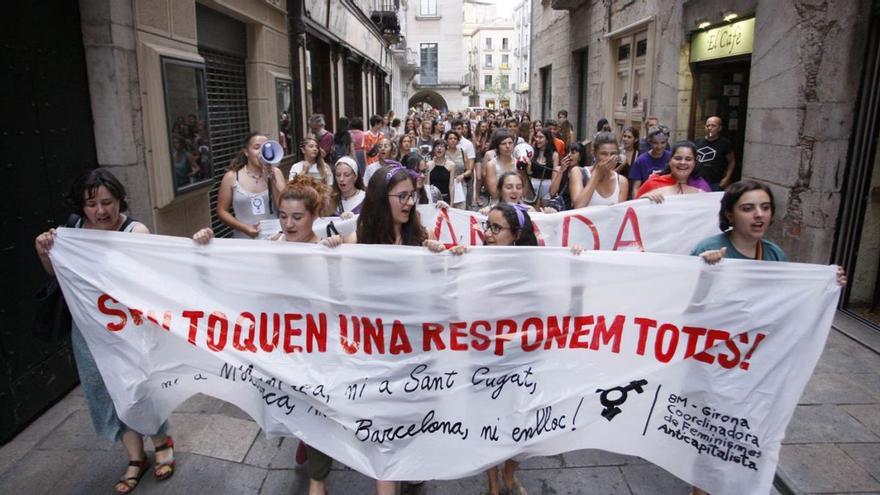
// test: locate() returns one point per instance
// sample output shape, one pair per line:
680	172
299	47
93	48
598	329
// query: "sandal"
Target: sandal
515	488
302	454
128	485
165	470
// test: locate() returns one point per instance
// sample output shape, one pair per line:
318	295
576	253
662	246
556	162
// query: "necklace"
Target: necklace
257	177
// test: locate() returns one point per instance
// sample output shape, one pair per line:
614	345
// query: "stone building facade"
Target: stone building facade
489	38
786	77
162	93
434	31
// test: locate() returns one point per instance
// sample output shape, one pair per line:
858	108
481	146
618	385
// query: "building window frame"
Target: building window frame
201	173
546	78
427	62
428	8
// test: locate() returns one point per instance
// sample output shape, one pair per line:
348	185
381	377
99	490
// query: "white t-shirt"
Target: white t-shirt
353	202
300	168
468	147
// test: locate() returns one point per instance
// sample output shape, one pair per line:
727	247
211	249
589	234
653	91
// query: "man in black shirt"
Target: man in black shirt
715	156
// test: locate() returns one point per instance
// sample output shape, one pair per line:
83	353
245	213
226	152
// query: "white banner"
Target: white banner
404	364
675	226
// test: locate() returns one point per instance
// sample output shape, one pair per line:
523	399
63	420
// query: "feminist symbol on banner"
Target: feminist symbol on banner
611	405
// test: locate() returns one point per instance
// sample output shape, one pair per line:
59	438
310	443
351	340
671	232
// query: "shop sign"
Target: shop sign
724	41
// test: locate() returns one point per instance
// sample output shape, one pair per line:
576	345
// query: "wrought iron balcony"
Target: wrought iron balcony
384	16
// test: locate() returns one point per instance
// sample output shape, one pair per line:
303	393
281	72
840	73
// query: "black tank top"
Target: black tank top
440	180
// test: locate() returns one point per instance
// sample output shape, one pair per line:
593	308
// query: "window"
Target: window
428	8
488	61
487	81
505	45
505	61
283	90
505	81
546	92
428	65
488	43
186	106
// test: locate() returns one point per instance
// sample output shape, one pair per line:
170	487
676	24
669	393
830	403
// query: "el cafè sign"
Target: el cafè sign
724	41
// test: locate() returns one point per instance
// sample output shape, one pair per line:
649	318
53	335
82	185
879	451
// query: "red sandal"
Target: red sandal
128	485
165	470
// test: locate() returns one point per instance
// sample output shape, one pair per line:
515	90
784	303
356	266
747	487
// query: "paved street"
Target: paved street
832	446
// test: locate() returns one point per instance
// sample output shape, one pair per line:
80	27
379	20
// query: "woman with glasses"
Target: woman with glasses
508	225
389	215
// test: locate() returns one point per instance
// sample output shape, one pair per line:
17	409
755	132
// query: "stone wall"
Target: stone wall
803	88
114	89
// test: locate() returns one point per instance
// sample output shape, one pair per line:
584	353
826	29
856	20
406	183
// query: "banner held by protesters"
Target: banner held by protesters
407	365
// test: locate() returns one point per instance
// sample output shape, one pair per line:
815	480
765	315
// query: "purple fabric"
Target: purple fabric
700	183
520	209
645	165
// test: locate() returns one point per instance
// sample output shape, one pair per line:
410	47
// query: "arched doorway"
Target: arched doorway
428	97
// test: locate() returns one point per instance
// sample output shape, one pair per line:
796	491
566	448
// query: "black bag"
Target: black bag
52	321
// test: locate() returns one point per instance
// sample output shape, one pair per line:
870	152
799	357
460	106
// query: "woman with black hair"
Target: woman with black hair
428	194
746	212
545	161
343	144
441	170
389	214
747	209
629	150
680	175
98	200
575	158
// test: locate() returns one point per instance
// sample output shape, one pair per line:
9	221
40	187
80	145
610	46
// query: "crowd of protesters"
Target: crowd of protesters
503	164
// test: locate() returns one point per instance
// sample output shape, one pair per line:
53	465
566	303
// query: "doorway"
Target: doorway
721	88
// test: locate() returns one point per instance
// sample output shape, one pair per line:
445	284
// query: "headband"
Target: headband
394	167
348	161
520	209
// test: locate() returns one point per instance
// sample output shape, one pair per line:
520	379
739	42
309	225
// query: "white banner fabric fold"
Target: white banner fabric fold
404	364
674	227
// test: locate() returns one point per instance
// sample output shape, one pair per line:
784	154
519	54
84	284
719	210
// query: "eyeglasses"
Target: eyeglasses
493	227
404	197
